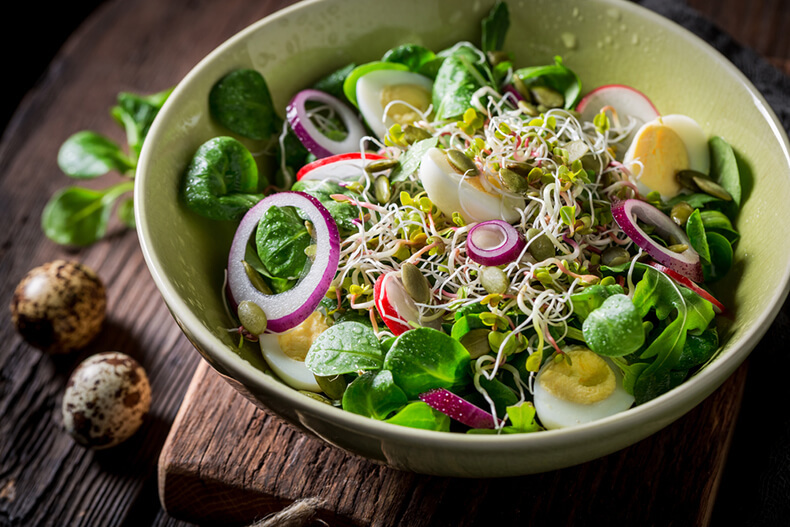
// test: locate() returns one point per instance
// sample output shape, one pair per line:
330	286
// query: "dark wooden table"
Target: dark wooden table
143	46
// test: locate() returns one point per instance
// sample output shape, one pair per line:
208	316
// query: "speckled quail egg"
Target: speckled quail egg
377	89
583	389
106	399
662	148
59	306
452	191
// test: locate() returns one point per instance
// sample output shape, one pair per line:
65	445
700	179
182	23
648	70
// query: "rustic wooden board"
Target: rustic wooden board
227	462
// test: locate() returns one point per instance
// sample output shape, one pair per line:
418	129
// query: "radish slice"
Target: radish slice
458	408
340	167
311	137
494	242
624	99
718	307
396	307
290	308
626	212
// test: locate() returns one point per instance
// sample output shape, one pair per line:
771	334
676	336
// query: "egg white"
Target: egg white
449	193
555	412
696	148
368	91
291	371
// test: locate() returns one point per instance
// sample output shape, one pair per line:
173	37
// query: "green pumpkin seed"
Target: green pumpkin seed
686	179
540	246
513	181
311	250
382	189
252	317
680	213
317	396
476	342
333	386
614	256
381	165
678	247
519	167
461	162
256	279
522	89
712	188
528	108
494	280
412	134
415	283
310	228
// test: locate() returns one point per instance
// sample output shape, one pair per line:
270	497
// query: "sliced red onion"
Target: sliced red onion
311	137
626	212
340	166
289	309
514	92
718	307
494	242
458	408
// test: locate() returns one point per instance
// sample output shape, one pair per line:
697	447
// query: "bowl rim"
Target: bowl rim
687	395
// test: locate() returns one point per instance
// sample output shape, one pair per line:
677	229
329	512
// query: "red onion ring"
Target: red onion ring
458	408
494	242
339	166
289	309
626	212
311	137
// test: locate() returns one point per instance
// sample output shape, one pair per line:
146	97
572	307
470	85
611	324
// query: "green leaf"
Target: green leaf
591	298
494	28
695	230
721	256
409	163
413	56
125	213
344	214
697	201
281	239
374	394
88	154
333	83
456	81
568	215
522	417
418	414
221	181
724	168
79	216
422	359
718	222
137	113
615	328
345	348
698	349
240	101
556	76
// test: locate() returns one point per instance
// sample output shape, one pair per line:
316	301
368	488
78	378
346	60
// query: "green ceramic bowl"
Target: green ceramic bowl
604	41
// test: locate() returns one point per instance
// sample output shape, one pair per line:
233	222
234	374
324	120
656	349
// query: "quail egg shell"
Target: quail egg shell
377	89
663	147
587	389
285	352
453	192
106	399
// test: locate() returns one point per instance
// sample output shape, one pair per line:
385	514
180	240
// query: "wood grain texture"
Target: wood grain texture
228	463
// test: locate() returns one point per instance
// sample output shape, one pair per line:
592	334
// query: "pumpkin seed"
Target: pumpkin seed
383	189
495	57
412	134
540	246
528	108
311	250
310	228
252	317
614	256
494	280
513	181
415	283
461	162
678	247
680	213
476	342
333	386
317	396
686	179
381	165
522	89
547	97
256	279
519	167
712	188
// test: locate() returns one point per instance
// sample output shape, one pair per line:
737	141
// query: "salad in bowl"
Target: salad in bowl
448	240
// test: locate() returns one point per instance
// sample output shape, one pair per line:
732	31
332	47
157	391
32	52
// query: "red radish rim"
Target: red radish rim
311	137
394	319
349	157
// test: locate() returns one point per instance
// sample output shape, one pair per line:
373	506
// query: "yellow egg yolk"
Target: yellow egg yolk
662	154
413	95
586	380
296	342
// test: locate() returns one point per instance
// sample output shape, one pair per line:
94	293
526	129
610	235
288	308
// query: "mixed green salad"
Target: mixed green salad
453	242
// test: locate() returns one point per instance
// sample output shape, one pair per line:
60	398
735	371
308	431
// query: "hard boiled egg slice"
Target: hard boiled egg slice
452	192
285	353
587	389
662	148
377	89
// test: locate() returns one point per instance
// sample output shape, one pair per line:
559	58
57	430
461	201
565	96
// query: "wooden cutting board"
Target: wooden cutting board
227	462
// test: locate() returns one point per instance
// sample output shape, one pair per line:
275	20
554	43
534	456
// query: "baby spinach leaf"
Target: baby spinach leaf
374	394
87	155
724	167
240	101
221	181
499	392
412	56
425	358
418	414
615	328
281	239
718	222
345	348
697	201
333	83
591	298
721	256
410	162
456	81
79	216
494	28
698	349
136	113
344	214
695	230
651	384
557	77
